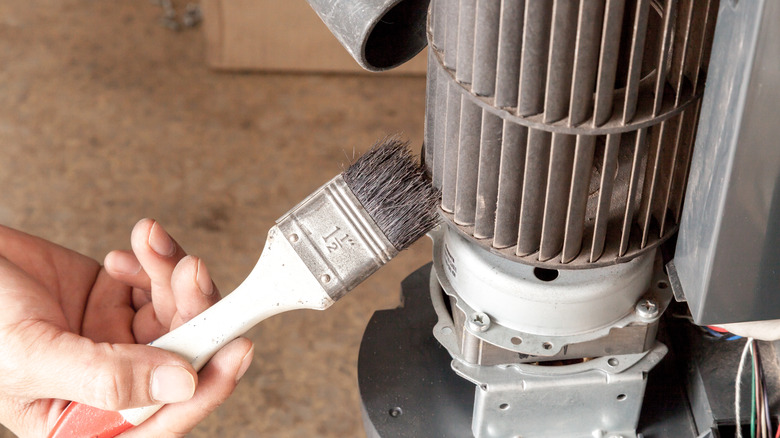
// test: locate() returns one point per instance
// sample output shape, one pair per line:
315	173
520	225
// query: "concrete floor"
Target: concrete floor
106	117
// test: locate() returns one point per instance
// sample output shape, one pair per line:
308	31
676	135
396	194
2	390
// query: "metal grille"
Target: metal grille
560	132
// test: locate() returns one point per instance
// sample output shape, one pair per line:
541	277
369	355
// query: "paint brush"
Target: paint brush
315	254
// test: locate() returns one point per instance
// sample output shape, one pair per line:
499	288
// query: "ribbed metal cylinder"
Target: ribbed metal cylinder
560	131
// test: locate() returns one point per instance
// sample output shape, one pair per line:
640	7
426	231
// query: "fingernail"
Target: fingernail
203	279
245	362
160	241
125	264
172	384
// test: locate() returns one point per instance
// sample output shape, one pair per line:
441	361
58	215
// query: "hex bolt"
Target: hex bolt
647	308
479	322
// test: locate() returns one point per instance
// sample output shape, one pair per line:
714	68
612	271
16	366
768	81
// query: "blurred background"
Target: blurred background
108	116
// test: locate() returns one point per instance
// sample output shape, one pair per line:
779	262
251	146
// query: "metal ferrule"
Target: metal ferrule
336	238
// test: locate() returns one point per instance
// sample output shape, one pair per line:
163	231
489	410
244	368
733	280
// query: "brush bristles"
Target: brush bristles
395	191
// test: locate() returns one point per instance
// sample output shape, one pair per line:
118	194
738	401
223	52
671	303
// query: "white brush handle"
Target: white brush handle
279	282
334	244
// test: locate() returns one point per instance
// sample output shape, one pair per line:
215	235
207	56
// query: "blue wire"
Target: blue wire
713	332
724	336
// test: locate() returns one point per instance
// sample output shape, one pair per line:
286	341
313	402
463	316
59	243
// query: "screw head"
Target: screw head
647	308
479	322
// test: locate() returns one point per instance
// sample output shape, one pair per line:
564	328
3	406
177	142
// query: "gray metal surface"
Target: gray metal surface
402	366
336	238
407	388
379	34
560	131
511	329
532	318
728	251
599	398
540	316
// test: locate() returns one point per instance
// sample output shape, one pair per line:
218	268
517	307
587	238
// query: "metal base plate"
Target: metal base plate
408	388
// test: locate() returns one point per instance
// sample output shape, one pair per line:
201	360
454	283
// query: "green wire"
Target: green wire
752	396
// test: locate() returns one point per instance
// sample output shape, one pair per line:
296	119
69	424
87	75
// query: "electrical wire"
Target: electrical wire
767	413
718	333
752	399
737	384
764	395
760	418
759	399
761	395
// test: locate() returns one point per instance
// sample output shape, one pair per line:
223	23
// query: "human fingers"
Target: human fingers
217	381
108	315
26	419
193	293
124	266
140	298
146	327
64	274
158	254
42	359
67	366
192	288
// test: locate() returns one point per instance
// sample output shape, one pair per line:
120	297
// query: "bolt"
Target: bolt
647	308
479	322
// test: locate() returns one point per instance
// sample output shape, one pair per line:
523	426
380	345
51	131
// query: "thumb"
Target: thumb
103	375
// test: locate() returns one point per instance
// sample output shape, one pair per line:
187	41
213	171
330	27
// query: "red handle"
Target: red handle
83	421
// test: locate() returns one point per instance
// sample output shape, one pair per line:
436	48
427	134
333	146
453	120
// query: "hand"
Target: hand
70	329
